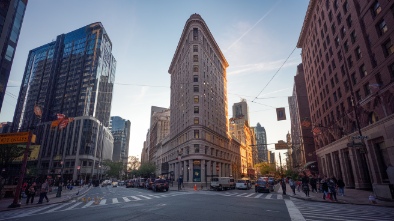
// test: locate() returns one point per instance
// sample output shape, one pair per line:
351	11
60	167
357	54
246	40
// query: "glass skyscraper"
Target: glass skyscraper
120	129
73	75
11	18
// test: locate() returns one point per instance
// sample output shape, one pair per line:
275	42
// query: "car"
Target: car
148	183
261	186
160	185
141	182
115	184
222	183
129	183
243	184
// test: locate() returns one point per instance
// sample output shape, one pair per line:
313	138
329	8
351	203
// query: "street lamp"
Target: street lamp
79	170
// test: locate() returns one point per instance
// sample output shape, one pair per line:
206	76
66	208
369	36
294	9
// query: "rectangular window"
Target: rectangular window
354	79
346	7
388	48
339	18
357	52
367	90
196	109
196	98
195	58
335	96
337	41
343	31
346	46
382	27
391	70
196	120
358	95
196	134
363	71
9	53
195	33
346	83
376	9
195	88
349	21
353	36
195	68
196	148
195	48
195	78
350	61
378	79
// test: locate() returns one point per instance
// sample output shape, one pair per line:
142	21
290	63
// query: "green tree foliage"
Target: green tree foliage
113	169
8	153
147	169
266	169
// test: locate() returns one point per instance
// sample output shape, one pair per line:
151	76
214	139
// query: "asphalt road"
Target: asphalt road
118	204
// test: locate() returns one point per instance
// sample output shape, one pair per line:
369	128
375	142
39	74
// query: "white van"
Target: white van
222	183
244	183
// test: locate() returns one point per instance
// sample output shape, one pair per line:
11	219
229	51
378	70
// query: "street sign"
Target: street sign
281	146
21	137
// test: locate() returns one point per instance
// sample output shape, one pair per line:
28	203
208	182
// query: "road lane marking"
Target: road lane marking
134	197
242	194
258	196
33	211
126	199
294	213
71	207
102	202
249	195
268	196
145	197
154	196
279	197
56	208
115	200
88	204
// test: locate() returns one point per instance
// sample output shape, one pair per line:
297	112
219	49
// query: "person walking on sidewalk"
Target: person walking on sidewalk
341	187
305	184
292	185
180	182
30	193
313	182
44	191
332	189
283	183
324	188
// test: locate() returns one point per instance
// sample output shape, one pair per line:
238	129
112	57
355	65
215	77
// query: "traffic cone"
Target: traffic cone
195	187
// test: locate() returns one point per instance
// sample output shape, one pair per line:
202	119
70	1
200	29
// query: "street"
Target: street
120	203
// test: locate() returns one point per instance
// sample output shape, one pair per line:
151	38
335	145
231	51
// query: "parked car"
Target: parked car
141	182
129	183
149	182
261	186
114	183
222	183
160	185
243	184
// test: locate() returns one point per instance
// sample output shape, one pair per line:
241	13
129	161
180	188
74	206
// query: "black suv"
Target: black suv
261	186
160	185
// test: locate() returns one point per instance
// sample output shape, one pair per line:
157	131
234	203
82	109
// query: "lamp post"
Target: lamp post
79	172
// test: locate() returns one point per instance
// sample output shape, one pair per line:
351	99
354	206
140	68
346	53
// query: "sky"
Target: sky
257	37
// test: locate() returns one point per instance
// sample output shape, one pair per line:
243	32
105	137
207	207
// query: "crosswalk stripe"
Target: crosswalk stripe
134	197
88	204
242	194
33	211
56	208
102	202
115	200
249	195
268	196
258	196
126	199
145	197
154	196
279	197
71	207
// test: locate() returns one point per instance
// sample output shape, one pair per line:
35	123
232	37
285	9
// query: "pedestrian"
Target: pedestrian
324	186
313	182
59	190
31	193
283	183
341	187
180	182
332	190
305	184
299	185
44	191
292	185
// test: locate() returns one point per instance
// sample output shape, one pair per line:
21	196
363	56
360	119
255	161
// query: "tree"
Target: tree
147	169
133	163
113	169
8	153
266	168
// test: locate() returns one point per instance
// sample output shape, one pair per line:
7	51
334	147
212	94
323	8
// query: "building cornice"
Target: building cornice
307	20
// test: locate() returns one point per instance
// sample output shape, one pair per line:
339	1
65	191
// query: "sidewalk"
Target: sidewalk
66	195
352	196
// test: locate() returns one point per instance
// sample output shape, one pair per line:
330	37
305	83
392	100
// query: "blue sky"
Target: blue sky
255	36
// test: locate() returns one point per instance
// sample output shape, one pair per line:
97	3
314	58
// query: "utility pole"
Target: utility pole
281	169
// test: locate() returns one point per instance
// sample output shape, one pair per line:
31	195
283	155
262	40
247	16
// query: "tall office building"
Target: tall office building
241	111
73	75
199	145
11	18
348	59
120	129
261	142
302	144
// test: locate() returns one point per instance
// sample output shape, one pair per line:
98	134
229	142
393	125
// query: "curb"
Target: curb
339	202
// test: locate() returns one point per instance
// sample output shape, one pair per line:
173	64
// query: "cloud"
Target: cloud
267	66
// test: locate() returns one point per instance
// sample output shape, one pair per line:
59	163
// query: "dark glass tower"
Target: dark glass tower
261	140
73	75
11	18
120	129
